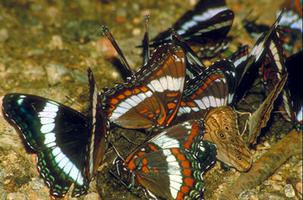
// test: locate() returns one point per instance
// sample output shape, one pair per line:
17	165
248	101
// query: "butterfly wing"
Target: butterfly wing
59	136
98	127
259	118
171	164
293	65
153	96
214	88
208	19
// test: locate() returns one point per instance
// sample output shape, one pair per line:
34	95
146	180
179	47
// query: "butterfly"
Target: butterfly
292	97
69	145
208	96
247	63
152	96
290	25
272	70
171	164
206	25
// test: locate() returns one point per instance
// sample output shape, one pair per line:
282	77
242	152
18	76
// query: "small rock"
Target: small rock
2	67
299	187
136	31
55	73
3	35
289	191
276	187
16	196
92	196
56	42
115	74
276	177
248	195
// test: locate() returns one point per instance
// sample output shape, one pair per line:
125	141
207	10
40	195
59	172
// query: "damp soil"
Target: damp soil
46	48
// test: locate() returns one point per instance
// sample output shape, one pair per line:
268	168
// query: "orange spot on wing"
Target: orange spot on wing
145	169
180	196
114	101
172	94
121	96
186	172
144	161
181	157
171	105
127	92
175	151
137	91
143	89
131	165
194	132
184	189
153	147
189	181
185	164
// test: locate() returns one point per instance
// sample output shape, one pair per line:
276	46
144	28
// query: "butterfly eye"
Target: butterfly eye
222	135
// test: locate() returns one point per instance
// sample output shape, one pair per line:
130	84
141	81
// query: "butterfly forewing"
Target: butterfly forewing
153	96
58	134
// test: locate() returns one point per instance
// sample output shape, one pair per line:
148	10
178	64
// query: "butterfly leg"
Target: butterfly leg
246	121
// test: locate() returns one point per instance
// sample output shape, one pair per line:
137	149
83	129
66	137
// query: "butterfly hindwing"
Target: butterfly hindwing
171	164
59	136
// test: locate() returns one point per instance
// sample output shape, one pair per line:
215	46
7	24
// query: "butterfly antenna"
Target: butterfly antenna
145	41
125	65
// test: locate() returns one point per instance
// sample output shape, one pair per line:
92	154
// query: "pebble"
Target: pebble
276	177
16	196
56	42
289	191
3	35
248	195
2	67
299	187
92	196
115	74
276	187
55	72
136	31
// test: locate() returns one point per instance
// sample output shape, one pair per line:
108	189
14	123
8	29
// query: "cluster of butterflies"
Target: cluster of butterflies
187	107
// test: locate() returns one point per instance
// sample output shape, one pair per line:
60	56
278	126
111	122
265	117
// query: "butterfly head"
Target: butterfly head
222	130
